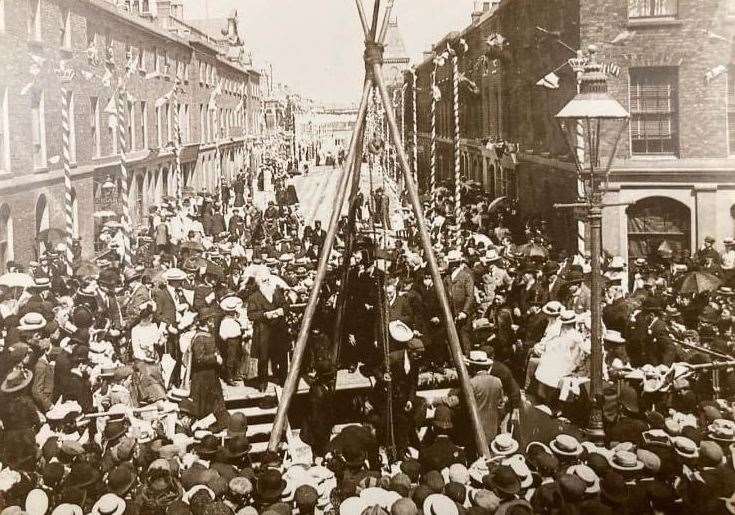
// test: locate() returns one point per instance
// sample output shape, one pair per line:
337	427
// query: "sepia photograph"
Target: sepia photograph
367	257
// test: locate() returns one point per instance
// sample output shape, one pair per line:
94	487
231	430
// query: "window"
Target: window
65	29
159	61
731	107
4	132
144	122
653	105
72	128
201	73
202	123
34	19
132	143
652	8
141	58
94	124
38	130
159	133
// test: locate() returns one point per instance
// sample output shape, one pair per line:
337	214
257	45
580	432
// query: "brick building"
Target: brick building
673	167
217	113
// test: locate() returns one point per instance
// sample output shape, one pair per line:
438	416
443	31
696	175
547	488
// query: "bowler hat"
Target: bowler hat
503	479
270	485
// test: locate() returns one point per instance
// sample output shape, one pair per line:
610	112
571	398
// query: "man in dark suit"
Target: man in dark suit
461	292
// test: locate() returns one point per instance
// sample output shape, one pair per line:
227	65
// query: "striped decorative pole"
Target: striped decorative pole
457	177
414	109
432	171
65	160
120	119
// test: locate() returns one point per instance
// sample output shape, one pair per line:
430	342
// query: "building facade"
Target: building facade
668	64
211	122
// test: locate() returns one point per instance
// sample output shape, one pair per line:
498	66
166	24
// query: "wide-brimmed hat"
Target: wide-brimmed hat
491	256
67	509
231	303
573	277
625	460
208	446
613	337
685	447
568	316
503	479
439	504
174	274
504	444
479	358
130	274
109	504
40	283
566	445
454	256
32	322
16	380
518	463
616	263
114	429
238	446
270	485
400	332
552	308
586	474
82	475
722	430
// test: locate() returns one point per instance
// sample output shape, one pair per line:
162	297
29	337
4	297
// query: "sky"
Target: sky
316	46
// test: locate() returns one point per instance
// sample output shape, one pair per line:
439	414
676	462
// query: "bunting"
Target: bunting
549	81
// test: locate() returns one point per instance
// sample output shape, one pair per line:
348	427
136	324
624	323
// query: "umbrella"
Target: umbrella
697	282
534	250
86	269
16	280
495	204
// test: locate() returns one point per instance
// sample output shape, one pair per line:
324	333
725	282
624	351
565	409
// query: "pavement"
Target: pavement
317	193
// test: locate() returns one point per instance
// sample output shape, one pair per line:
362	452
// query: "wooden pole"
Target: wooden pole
292	380
454	345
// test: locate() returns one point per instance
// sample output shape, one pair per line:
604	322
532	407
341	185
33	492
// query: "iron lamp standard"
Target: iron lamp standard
592	124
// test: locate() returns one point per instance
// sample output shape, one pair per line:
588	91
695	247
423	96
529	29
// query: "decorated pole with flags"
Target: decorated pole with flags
65	76
415	126
121	101
434	99
457	168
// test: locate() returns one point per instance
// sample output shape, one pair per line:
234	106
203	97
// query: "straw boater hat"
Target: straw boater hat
231	303
568	317
174	274
16	380
553	308
400	332
32	322
504	445
479	358
566	445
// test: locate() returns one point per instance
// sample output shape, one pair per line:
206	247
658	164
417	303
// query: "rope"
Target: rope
66	158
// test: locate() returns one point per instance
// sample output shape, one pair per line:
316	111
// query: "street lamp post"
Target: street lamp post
594	116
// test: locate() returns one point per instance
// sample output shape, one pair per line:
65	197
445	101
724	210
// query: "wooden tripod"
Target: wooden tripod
351	174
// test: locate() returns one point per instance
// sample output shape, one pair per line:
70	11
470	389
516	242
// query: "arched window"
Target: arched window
653	220
6	236
42	220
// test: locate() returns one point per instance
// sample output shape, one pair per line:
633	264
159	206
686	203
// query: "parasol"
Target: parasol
495	204
86	269
698	282
533	250
16	280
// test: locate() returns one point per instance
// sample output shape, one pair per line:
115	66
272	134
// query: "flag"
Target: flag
131	65
626	34
495	39
549	81
611	69
714	73
436	93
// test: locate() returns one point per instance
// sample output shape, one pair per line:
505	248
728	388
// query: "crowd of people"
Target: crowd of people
113	373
